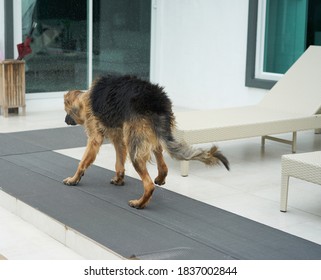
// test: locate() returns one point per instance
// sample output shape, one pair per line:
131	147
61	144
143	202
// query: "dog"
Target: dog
137	117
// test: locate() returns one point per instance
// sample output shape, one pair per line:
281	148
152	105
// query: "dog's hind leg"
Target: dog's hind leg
121	154
140	141
161	166
93	145
140	167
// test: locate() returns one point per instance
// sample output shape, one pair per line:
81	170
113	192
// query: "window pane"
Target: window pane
121	37
314	23
58	61
285	34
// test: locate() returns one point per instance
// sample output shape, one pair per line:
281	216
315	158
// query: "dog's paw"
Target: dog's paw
159	181
70	181
135	204
117	181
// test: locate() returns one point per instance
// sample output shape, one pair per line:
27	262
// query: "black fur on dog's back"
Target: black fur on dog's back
117	99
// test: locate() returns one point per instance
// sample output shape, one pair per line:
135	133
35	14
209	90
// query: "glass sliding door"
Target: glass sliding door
58	61
119	41
121	37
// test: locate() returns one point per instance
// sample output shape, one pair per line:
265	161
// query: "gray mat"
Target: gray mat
11	146
42	140
171	227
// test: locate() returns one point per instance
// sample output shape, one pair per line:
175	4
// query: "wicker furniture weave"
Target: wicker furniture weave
305	166
293	104
12	85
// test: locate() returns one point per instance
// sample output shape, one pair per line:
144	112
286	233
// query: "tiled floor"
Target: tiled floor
251	189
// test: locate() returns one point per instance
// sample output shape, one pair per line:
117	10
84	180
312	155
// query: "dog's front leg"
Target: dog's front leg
92	149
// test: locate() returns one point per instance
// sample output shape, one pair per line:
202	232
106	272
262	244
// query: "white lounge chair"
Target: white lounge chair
292	105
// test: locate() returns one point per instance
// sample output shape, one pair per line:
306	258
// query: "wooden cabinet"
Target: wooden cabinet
12	85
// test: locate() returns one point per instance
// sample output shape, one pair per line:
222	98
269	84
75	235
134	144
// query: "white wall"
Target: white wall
200	53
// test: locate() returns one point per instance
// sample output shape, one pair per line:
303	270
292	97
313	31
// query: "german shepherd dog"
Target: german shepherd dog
137	117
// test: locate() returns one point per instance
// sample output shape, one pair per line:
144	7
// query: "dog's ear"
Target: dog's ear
67	100
70	97
75	110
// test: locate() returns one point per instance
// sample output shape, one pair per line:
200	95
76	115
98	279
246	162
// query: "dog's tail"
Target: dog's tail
182	151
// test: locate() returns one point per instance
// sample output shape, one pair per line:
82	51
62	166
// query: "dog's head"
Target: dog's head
74	107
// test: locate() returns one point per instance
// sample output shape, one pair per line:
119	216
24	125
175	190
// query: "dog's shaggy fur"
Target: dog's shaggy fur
136	116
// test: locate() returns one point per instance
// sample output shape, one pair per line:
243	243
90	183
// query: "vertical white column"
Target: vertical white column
155	40
17	23
89	41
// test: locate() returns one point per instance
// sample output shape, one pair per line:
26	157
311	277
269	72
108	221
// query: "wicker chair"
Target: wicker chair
305	166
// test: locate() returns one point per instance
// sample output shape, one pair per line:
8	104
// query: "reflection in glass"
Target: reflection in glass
58	61
59	58
121	37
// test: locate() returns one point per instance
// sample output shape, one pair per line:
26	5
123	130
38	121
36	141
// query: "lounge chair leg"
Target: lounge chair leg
290	142
184	168
294	142
284	193
263	141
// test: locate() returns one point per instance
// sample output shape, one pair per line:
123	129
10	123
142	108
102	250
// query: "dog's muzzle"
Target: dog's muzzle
69	120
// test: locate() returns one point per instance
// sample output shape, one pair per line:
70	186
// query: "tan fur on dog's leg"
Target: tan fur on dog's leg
92	149
140	141
121	154
140	167
161	166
